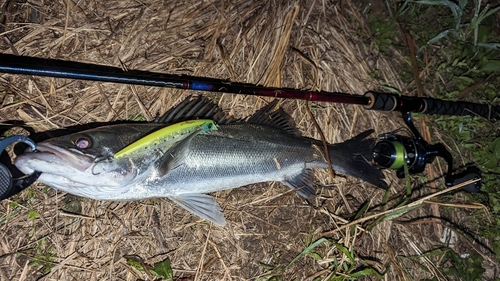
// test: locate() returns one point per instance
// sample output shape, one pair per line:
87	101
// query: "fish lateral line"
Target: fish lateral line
166	133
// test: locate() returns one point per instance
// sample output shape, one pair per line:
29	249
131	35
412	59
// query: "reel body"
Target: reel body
393	151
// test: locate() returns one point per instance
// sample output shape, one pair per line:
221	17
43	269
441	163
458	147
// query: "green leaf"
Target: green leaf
496	248
400	212
13	204
366	272
478	18
495	147
392	90
164	270
307	250
362	211
387	194
491	66
440	36
455	9
462	3
491	164
32	214
495	46
135	261
315	256
345	251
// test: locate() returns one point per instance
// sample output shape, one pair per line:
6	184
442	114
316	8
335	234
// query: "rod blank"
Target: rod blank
371	100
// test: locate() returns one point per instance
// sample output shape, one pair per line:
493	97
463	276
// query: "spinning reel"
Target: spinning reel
393	151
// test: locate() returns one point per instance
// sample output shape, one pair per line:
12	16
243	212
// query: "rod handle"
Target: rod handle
391	102
460	108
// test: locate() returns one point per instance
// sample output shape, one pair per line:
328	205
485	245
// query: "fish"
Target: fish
186	167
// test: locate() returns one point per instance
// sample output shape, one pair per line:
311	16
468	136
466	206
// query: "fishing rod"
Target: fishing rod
370	100
391	152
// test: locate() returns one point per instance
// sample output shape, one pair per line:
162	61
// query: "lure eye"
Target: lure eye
82	142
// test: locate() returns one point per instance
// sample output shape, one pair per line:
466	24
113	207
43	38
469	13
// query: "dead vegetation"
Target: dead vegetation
300	44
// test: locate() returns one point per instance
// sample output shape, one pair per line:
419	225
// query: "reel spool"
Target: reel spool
392	151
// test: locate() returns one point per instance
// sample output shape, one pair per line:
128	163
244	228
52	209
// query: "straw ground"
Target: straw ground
319	45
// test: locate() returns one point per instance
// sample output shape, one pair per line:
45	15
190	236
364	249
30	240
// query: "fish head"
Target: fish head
82	163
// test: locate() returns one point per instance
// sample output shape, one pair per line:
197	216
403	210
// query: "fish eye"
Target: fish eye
82	142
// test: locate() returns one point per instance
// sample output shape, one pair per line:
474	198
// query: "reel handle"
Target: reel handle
467	176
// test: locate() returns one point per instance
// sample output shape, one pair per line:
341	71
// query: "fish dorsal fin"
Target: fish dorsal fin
274	116
302	183
195	108
170	160
202	205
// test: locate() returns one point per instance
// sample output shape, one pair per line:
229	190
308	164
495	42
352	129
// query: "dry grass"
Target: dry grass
299	44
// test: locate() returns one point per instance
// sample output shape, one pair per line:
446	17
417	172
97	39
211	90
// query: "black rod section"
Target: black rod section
371	100
76	70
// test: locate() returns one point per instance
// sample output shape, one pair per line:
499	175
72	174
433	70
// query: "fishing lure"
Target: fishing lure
169	132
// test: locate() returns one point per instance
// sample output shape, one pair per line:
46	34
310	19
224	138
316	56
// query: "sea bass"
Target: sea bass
184	167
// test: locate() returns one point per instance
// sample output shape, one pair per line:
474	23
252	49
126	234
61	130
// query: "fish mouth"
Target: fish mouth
72	171
54	155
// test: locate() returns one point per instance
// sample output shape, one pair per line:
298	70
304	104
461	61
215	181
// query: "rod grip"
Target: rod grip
390	102
381	101
460	108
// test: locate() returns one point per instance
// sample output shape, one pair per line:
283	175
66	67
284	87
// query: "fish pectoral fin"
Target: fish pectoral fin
202	205
302	183
173	156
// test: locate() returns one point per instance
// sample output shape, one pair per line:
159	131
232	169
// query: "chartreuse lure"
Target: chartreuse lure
164	134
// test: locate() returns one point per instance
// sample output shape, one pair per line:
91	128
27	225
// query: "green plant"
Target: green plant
383	31
464	49
271	272
466	267
42	256
161	269
343	268
459	47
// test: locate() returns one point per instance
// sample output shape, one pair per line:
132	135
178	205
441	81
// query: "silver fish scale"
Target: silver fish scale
244	153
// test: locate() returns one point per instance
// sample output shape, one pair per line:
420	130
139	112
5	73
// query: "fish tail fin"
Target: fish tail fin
353	157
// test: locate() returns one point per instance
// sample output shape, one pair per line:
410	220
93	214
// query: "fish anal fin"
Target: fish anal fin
202	205
274	116
302	183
